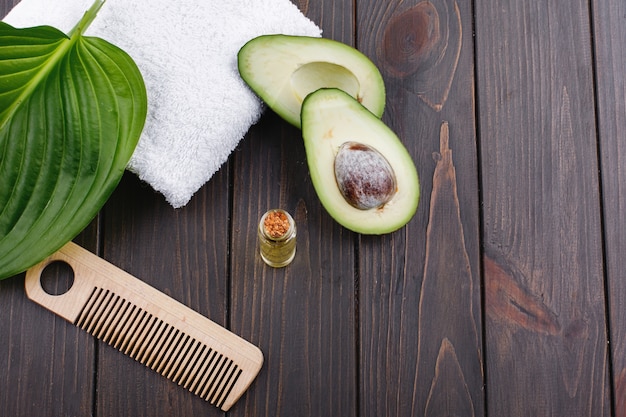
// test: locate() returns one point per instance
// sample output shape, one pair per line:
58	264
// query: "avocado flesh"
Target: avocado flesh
282	70
315	75
331	118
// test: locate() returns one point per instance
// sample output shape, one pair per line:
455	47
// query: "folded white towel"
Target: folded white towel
198	106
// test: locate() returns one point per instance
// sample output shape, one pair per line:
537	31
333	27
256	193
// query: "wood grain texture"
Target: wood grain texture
422	43
38	348
448	334
303	314
609	25
392	325
545	329
183	253
6	6
47	364
397	273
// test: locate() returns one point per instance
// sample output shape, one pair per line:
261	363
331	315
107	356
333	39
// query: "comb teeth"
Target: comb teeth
159	345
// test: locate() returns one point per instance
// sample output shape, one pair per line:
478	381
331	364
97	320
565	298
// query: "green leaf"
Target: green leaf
72	109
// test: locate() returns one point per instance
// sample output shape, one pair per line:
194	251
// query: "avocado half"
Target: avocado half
341	135
283	69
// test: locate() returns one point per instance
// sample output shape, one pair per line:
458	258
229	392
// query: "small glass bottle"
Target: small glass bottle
277	238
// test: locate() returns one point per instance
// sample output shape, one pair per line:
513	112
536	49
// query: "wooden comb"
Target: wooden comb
151	327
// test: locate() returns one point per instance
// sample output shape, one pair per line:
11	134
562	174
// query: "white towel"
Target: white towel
198	106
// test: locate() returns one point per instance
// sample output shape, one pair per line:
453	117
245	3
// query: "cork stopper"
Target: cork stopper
276	224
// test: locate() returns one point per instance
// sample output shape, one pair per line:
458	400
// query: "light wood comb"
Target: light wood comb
149	326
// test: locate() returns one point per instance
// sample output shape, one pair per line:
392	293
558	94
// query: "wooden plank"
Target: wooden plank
545	327
6	6
420	287
609	41
183	253
38	348
303	314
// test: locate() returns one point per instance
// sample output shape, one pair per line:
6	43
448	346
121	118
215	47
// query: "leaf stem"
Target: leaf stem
87	18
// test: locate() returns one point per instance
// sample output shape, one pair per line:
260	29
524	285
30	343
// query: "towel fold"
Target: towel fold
198	106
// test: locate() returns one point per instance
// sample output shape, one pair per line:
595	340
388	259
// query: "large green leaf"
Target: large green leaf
71	112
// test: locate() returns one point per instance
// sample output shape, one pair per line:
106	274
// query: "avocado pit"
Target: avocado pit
364	177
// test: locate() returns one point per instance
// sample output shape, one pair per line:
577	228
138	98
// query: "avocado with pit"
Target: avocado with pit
362	173
283	69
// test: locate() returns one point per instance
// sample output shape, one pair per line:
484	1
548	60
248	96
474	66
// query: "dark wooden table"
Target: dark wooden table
502	297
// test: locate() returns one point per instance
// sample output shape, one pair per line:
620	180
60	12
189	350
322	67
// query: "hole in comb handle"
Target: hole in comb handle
57	278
